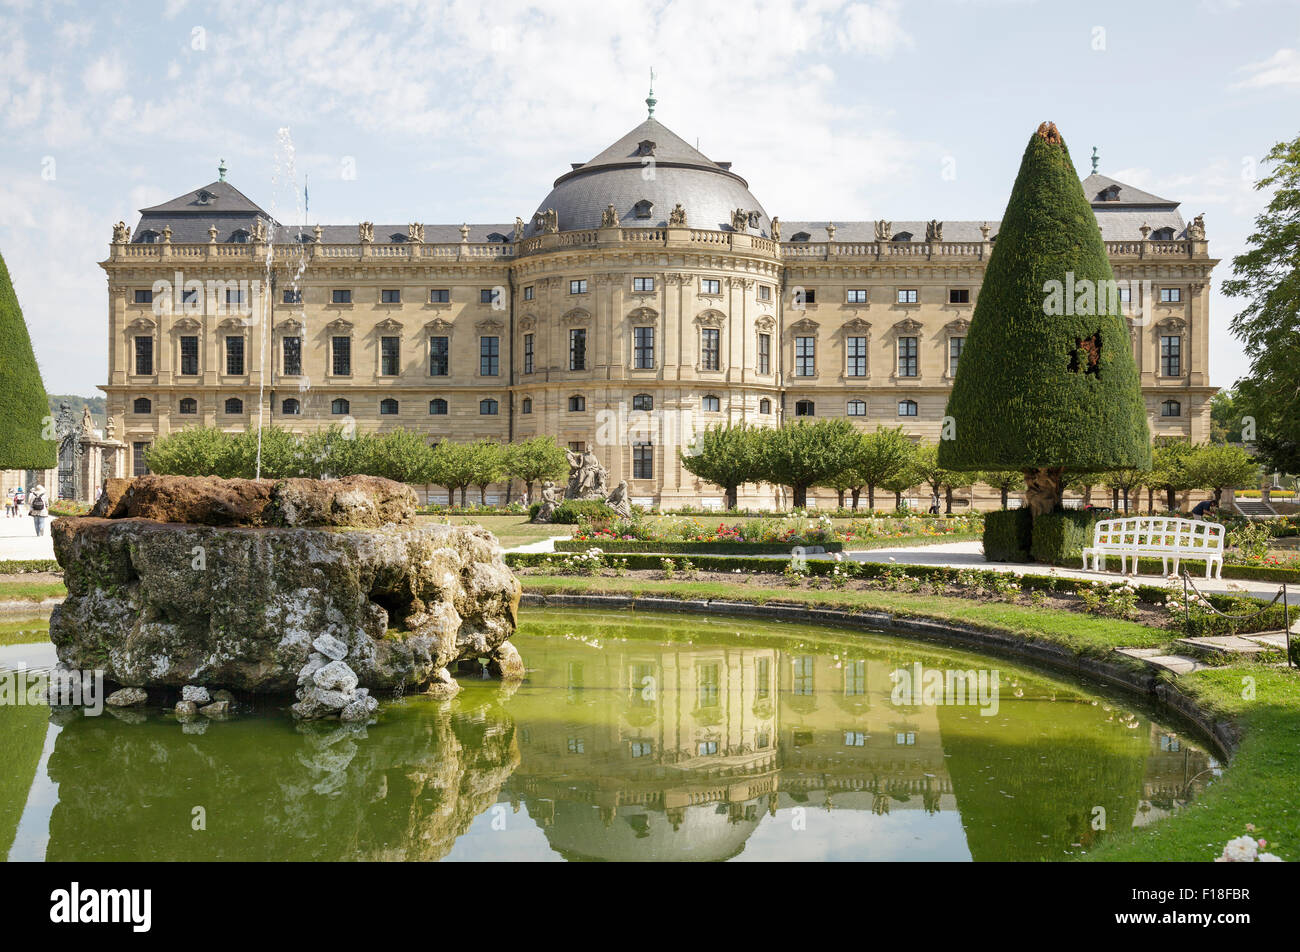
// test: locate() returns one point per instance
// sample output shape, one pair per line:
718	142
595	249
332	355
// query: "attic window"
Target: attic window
305	238
397	238
801	236
204	197
497	236
643	208
147	237
645	147
1162	234
902	236
239	236
1109	194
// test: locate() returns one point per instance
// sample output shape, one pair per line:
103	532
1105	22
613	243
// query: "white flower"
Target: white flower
1241	850
1269	858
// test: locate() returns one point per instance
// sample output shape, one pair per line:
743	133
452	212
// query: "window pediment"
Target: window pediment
438	326
339	326
1172	324
488	324
958	326
577	316
527	322
857	328
233	324
907	327
186	324
290	326
765	323
389	324
142	323
643	315
711	319
805	326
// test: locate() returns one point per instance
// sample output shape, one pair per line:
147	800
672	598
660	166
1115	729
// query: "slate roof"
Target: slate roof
223	198
1096	183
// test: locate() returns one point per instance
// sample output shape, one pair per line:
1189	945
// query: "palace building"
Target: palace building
650	294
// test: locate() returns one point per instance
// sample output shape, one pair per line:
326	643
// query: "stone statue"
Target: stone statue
519	228
415	233
550	499
259	230
1196	230
586	476
677	217
87	424
318	234
110	429
884	230
121	233
740	221
609	217
830	231
366	232
548	221
167	234
934	231
776	229
984	231
618	501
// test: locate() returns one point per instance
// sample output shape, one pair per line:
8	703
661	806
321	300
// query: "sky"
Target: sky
404	111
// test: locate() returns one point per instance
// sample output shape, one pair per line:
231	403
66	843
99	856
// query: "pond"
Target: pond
635	737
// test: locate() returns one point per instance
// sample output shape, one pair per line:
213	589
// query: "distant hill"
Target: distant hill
98	409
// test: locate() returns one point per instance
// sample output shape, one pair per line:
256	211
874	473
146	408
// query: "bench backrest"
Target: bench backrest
1160	532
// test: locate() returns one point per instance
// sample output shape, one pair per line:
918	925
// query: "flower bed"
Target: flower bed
610	544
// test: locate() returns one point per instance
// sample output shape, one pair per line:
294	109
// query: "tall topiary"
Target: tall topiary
23	404
1047	379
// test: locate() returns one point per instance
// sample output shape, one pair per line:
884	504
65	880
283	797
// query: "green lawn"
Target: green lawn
30	591
510	530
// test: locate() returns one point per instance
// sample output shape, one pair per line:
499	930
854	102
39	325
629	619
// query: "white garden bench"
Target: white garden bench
1161	537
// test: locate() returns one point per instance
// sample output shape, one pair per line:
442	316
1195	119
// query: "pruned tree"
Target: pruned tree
24	408
1221	466
727	455
880	457
1005	481
805	454
487	465
535	460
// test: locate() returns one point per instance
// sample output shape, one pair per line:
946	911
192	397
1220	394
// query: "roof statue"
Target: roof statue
1196	230
934	230
609	217
775	229
121	233
884	230
677	217
366	232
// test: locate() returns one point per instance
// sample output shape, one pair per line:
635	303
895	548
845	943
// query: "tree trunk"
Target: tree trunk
451	496
1114	498
800	496
1004	497
947	501
1151	499
732	493
1043	489
463	490
857	495
898	501
1218	492
528	492
482	495
840	500
871	496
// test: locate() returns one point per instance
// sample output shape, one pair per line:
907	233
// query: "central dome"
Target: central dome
643	175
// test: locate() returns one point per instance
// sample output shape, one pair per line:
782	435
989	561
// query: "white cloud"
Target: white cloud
104	75
1280	69
873	29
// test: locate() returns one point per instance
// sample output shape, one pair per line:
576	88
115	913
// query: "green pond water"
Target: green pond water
635	737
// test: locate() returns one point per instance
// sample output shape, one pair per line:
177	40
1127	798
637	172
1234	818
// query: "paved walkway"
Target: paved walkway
541	545
18	539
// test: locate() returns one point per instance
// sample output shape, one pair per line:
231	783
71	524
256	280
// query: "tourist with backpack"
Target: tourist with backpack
39	507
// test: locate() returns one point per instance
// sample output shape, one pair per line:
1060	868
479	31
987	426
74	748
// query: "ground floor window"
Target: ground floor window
643	461
138	466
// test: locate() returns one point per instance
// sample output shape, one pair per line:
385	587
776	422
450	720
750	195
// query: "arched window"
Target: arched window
800	236
142	405
857	408
147	237
712	404
1171	408
644	208
765	405
577	403
643	401
527	406
340	407
438	407
902	236
805	408
189	406
487	407
234	406
907	408
388	407
497	237
291	407
239	236
1162	234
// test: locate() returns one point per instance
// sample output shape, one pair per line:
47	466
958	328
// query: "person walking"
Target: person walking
39	507
9	504
19	498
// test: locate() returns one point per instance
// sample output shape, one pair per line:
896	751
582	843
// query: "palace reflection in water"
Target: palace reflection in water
635	737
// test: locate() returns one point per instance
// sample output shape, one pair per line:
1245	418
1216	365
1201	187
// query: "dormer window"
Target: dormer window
902	236
1162	234
204	197
239	236
644	208
147	237
1109	194
645	147
801	236
497	236
398	238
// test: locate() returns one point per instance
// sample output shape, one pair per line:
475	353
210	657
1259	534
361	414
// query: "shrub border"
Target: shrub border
704	548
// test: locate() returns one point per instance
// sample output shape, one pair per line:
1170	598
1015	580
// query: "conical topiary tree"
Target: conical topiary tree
23	404
1047	379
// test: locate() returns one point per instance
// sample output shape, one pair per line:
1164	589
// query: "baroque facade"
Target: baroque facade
649	295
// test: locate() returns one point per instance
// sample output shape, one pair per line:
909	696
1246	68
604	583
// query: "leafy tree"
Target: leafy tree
880	457
536	459
940	480
487	465
1227	411
902	481
1220	467
1006	481
336	451
1268	276
23	405
401	455
727	455
452	465
1169	473
193	451
1047	379
1124	482
805	454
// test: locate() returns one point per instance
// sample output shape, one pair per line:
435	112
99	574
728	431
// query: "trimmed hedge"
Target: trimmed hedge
1008	534
23	404
1060	537
669	548
25	566
572	511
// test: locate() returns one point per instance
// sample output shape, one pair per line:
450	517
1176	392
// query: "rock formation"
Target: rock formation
178	582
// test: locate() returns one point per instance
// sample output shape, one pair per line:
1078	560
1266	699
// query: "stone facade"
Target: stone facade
740	318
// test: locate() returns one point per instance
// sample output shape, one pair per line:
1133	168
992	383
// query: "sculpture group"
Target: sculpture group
587	481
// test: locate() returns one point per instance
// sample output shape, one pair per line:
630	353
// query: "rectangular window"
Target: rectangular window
234	296
958	295
528	293
907	356
341	296
763	679
138	466
342	348
144	355
710	286
487	295
955	344
1171	355
1125	295
143	296
292	350
805	356
765	292
390	296
439	296
578	348
805	296
1171	295
907	295
765	353
489	356
578	286
857	296
390	356
643	348
643	461
189	356
801	680
439	353
710	347
235	356
528	353
292	296
577	447
643	284
857	357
